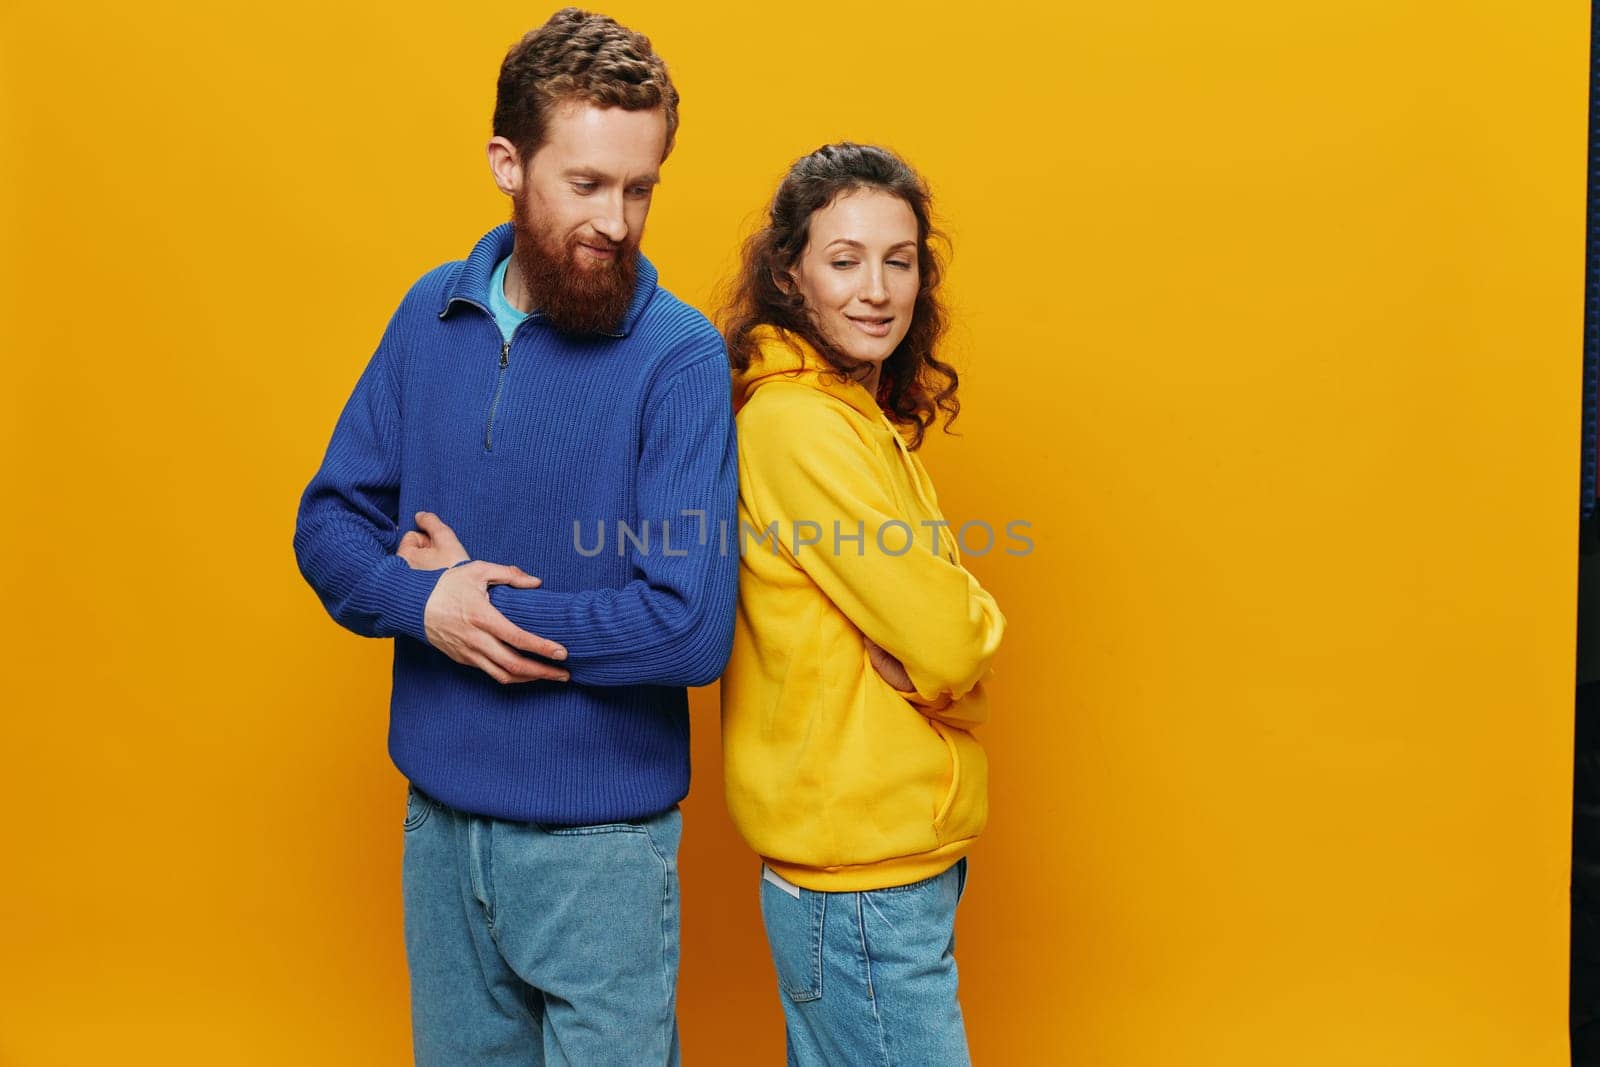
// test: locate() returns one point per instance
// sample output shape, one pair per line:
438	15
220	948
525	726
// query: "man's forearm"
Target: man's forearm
365	588
637	635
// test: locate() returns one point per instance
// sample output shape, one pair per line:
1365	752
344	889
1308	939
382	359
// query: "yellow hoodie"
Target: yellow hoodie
840	781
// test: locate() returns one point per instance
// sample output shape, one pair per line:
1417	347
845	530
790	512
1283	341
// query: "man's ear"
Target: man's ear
505	164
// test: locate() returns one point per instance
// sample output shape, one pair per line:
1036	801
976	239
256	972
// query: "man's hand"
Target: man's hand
461	623
432	545
458	618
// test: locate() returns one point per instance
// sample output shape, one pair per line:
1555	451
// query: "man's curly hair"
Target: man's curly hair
579	55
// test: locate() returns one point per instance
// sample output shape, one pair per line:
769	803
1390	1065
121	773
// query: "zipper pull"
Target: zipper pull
505	354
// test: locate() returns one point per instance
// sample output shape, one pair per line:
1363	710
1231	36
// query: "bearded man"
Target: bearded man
538	707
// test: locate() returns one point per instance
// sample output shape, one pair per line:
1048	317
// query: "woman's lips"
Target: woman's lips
872	327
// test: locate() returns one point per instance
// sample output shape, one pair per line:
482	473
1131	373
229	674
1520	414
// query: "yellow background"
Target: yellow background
1270	321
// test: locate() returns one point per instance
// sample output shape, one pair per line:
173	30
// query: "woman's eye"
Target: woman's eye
841	264
902	264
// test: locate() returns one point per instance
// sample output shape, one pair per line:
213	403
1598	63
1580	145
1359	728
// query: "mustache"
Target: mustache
596	241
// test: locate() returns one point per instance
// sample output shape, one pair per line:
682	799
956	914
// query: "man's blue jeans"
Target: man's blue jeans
540	945
868	978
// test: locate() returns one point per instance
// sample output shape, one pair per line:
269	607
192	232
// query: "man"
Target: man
543	386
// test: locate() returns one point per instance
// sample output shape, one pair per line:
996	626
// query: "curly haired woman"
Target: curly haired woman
861	641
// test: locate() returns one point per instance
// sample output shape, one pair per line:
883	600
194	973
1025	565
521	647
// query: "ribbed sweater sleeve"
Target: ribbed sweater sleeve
347	528
672	624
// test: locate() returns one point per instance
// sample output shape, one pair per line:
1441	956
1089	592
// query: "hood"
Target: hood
783	356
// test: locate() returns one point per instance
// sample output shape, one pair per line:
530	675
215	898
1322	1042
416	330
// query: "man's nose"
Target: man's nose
611	223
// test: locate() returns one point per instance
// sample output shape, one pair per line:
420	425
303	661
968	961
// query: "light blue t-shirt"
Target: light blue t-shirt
504	314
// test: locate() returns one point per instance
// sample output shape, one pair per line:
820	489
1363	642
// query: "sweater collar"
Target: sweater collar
471	285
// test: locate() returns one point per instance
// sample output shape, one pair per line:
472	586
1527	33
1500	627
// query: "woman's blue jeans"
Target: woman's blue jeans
868	978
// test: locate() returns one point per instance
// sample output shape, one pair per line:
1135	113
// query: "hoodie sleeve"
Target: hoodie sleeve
806	469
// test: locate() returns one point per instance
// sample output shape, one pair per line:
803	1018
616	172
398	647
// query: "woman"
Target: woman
861	642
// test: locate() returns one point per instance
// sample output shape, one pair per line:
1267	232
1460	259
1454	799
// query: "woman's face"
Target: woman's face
859	272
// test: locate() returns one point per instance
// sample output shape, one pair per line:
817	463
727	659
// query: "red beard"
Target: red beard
578	299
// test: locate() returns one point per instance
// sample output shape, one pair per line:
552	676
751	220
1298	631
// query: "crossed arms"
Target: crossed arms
672	624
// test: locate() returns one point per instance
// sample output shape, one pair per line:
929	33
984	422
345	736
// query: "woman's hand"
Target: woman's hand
893	671
889	668
431	546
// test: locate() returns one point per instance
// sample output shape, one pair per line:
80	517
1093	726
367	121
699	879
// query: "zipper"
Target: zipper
499	384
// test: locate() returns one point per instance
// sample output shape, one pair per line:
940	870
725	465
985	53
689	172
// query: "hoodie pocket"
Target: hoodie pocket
964	811
927	784
950	795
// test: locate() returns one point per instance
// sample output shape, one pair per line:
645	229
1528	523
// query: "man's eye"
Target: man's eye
640	190
584	187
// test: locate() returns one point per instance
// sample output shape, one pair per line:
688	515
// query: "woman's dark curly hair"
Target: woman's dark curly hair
914	386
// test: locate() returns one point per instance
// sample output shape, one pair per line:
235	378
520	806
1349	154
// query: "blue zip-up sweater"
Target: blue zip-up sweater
512	444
